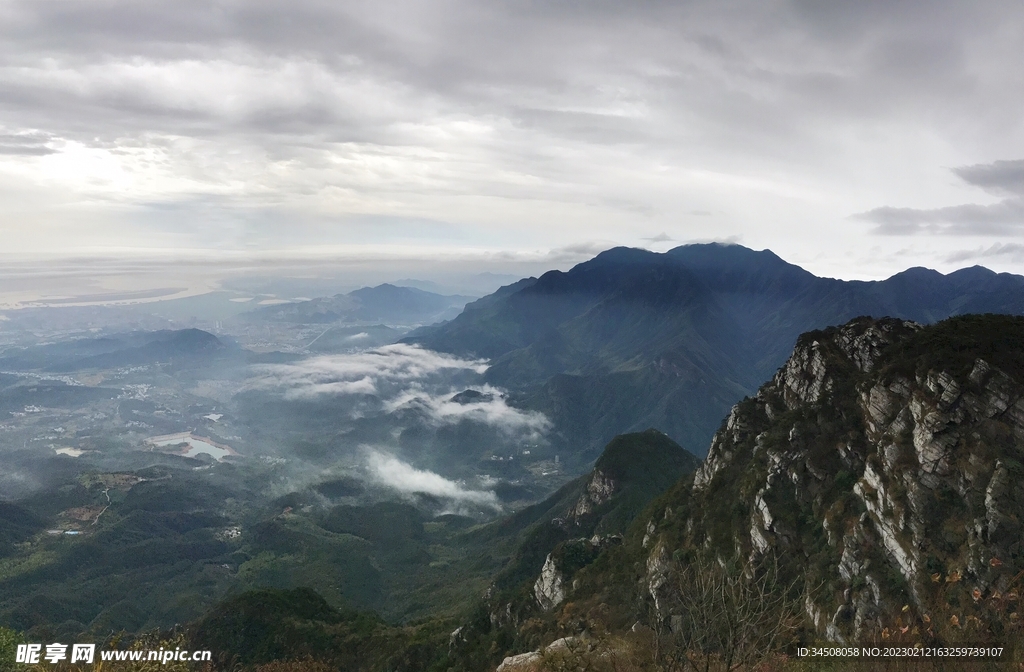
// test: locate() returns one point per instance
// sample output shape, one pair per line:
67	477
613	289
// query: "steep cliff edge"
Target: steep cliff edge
568	530
882	465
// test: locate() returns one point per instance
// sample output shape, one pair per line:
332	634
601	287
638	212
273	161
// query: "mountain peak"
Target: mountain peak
722	257
919	273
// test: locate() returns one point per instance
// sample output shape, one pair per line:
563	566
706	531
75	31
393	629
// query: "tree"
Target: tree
730	616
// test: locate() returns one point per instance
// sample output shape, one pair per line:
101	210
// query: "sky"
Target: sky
855	139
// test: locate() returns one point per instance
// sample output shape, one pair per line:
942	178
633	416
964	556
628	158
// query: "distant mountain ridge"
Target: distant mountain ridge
634	339
386	303
131	349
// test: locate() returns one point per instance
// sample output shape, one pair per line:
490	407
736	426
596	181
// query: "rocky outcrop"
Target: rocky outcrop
882	458
553	584
521	662
533	660
556	538
549	589
599	490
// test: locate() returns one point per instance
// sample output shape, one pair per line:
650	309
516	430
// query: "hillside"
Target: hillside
553	540
564	533
868	493
633	469
634	339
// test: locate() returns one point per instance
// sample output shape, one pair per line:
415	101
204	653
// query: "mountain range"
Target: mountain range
634	339
865	476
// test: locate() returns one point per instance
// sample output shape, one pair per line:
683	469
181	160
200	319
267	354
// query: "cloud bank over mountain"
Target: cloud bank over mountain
490	409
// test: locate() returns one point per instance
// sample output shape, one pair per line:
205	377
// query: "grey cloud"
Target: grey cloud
25	144
1011	251
400	107
1004	217
581	66
1001	177
966	220
25	150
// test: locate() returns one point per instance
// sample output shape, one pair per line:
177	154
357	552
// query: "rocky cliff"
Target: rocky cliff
558	538
881	464
570	529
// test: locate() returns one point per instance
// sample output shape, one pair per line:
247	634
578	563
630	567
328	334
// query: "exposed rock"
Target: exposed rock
549	589
600	489
457	637
562	644
651	527
568	557
657	577
521	662
532	660
893	467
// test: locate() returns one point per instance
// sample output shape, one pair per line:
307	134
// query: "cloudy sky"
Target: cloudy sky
853	138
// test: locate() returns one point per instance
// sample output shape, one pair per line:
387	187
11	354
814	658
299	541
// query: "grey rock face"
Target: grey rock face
599	490
896	472
553	584
549	589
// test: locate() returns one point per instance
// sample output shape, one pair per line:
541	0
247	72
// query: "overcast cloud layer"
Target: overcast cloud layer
852	138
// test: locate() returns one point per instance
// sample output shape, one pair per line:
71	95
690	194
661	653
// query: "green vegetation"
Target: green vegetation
324	575
9	640
955	344
264	625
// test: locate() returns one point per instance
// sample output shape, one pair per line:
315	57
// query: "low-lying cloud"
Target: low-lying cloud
405	377
490	408
403	477
359	373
